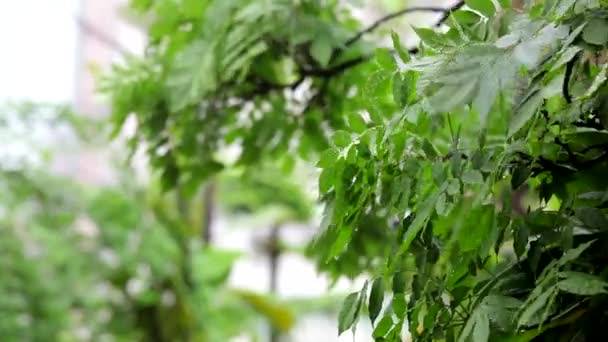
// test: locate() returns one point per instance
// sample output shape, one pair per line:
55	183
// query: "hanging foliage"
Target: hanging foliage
465	176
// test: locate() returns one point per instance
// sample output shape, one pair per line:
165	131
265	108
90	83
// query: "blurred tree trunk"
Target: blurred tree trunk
274	253
208	212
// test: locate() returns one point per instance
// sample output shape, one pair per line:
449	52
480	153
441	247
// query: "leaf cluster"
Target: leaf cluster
503	104
467	178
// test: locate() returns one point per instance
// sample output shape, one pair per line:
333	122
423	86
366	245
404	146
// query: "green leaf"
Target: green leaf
430	37
376	299
598	81
520	240
399	282
574	34
328	157
321	49
520	175
592	217
538	304
553	88
507	41
422	213
563	7
596	31
326	179
501	310
362	297
280	316
532	51
400	92
566	57
398	305
477	327
403	53
485	7
356	122
465	17
348	312
525	113
582	284
486	96
481	333
219	265
382	328
192	75
574	253
453	187
429	149
440	206
385	60
472	177
477	229
344	237
451	97
342	138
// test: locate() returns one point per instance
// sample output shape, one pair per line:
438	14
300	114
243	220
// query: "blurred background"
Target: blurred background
88	243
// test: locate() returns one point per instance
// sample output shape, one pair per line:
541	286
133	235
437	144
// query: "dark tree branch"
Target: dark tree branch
337	69
567	76
263	87
392	16
327	73
446	13
541	164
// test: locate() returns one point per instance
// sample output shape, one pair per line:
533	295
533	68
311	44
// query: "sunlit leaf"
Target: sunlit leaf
484	7
348	313
382	328
342	138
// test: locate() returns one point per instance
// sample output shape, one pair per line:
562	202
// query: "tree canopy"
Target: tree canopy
464	177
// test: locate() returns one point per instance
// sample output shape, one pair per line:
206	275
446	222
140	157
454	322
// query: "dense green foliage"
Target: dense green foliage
111	263
224	73
493	105
424	156
98	263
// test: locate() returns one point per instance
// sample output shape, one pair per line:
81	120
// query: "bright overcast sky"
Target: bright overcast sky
38	50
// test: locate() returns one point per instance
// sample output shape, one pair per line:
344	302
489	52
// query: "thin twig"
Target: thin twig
335	70
340	68
391	16
447	13
264	87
